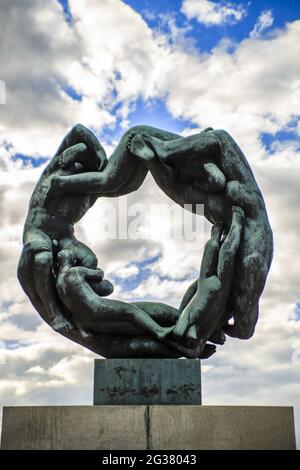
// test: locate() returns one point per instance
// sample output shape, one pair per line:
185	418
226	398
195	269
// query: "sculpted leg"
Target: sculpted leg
36	277
98	314
107	345
209	177
189	294
86	148
123	346
141	149
206	309
211	253
240	196
74	154
212	179
203	144
225	262
228	251
25	276
252	276
194	299
207	287
45	285
122	168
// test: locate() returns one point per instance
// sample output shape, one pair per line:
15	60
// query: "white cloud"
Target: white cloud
2	92
103	66
265	20
213	13
126	272
248	91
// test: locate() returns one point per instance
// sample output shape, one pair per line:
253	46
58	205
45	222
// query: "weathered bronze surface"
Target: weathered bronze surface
60	274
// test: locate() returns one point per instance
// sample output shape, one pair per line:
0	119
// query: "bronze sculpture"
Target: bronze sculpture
60	274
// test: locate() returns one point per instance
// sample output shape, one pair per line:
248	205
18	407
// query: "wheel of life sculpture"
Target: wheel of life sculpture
60	274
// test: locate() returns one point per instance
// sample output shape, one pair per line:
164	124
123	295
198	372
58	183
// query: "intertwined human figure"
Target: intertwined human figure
207	168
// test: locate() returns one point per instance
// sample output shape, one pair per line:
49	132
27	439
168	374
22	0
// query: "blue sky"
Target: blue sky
204	38
208	37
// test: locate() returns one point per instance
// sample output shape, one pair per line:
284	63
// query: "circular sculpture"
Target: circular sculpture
60	274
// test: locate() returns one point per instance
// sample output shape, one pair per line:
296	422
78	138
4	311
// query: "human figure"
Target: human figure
97	314
126	171
176	164
205	310
94	312
207	168
49	229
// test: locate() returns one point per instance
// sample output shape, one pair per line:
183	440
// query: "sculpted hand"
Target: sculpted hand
72	155
140	148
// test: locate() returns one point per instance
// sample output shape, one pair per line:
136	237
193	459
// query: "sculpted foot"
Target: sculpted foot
179	330
231	330
241	330
218	337
209	350
69	156
192	353
202	352
165	332
130	139
83	333
157	145
192	335
62	325
140	148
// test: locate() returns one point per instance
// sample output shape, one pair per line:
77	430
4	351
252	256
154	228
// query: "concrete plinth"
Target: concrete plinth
147	382
74	428
148	427
221	427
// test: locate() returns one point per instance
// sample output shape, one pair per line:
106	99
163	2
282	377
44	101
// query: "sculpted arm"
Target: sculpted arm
123	169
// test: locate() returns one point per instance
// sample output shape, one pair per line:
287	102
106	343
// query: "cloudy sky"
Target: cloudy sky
181	65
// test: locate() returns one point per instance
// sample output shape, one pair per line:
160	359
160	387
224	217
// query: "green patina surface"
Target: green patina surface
61	276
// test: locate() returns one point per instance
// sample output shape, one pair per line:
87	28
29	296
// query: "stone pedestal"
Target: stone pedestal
180	427
147	404
147	382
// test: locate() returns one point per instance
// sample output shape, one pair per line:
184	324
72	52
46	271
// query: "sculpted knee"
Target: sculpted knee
137	129
222	135
29	248
78	129
89	261
33	247
44	259
242	329
245	332
129	314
